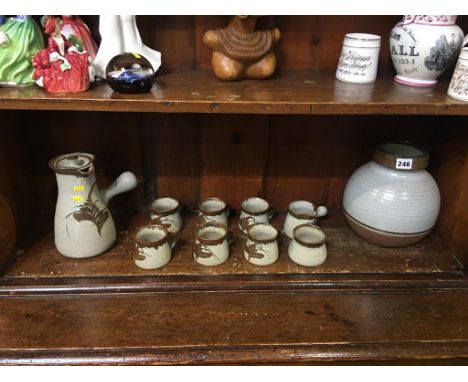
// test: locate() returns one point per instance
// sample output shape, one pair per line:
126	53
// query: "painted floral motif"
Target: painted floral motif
89	211
246	222
201	250
162	221
442	54
139	255
253	250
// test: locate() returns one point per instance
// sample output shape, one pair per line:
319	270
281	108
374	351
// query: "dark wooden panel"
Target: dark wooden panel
228	327
233	157
451	173
202	24
113	139
19	201
173	164
347	254
174	37
313	42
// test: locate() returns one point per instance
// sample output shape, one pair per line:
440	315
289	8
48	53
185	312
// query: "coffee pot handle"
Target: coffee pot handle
125	182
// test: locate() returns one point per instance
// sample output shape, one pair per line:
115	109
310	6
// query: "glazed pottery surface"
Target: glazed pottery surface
166	212
214	210
20	39
61	67
211	244
308	246
458	87
83	224
152	247
119	34
359	58
301	212
254	210
261	247
422	47
393	201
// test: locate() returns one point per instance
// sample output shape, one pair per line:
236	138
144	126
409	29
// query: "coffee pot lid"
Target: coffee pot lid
401	155
77	164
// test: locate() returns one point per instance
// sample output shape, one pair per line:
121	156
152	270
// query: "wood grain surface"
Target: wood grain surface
297	92
242	327
347	254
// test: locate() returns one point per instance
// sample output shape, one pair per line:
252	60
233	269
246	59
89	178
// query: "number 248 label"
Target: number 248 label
404	164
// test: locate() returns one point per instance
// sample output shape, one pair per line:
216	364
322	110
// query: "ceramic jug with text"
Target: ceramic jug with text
422	47
83	224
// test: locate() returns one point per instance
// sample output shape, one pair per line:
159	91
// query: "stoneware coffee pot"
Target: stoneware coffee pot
83	223
422	47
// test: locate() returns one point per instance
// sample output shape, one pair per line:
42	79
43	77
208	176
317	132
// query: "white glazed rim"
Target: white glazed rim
165	206
220	204
272	231
255	210
363	37
307	208
309	227
150	229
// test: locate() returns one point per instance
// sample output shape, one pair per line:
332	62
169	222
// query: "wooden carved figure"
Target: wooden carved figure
239	51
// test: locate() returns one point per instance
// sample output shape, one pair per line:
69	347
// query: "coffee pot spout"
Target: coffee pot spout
125	182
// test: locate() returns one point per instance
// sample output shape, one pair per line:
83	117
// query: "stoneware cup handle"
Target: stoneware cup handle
321	211
172	240
271	212
230	236
465	41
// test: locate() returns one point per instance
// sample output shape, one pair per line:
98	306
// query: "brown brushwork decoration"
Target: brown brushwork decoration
253	250
246	222
239	51
162	222
200	250
89	211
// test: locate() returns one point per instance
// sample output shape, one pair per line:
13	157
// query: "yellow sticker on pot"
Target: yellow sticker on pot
136	55
77	198
78	188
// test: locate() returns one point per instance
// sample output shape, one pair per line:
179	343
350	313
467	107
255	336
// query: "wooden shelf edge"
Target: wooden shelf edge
395	353
297	92
20	286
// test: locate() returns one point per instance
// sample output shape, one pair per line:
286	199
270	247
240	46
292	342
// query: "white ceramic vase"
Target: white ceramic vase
119	34
422	47
393	201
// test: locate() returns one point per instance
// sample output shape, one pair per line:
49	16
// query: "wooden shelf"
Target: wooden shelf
297	92
348	255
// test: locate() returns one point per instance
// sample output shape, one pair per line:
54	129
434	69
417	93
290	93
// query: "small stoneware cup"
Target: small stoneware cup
458	87
261	247
359	58
213	209
301	212
166	212
308	246
211	244
254	210
153	247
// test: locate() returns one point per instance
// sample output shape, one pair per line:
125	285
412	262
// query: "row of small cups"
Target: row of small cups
212	237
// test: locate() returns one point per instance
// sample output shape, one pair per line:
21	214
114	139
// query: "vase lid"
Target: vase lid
401	155
430	19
